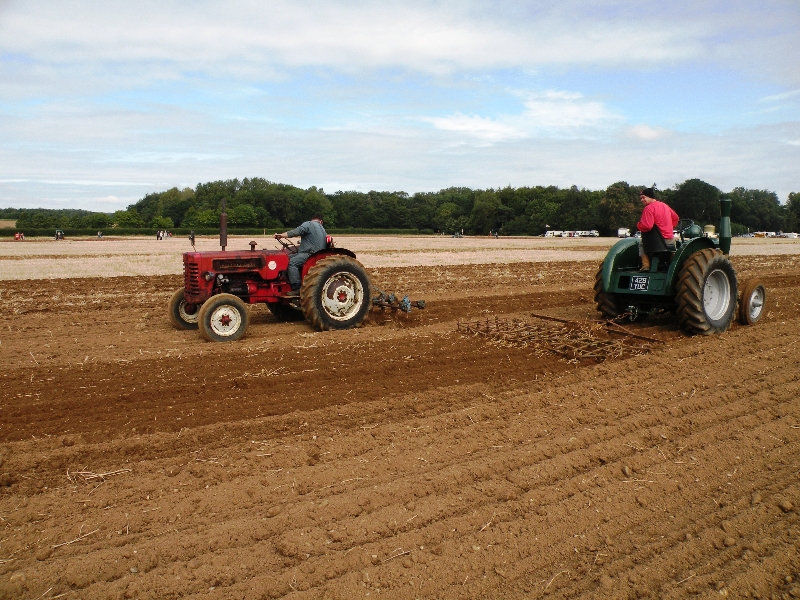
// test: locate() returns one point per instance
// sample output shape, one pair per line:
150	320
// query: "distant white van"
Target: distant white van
623	232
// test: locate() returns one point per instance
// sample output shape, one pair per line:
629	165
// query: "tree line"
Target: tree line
256	202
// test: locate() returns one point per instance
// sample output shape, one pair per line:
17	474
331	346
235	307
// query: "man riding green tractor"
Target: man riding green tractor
691	277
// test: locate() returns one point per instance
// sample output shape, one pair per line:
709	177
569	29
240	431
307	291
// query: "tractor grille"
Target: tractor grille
191	278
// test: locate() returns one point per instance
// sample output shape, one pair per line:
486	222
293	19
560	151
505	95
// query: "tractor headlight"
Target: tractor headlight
208	275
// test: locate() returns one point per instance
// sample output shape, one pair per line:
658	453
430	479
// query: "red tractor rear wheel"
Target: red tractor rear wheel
223	318
336	293
181	314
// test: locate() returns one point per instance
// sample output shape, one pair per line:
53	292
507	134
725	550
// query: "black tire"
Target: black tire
606	304
336	294
285	312
706	293
752	302
223	318
181	314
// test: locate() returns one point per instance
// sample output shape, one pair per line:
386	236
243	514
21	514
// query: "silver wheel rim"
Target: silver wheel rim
189	318
716	295
342	296
756	304
225	320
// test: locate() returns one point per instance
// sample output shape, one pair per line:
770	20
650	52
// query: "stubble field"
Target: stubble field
403	459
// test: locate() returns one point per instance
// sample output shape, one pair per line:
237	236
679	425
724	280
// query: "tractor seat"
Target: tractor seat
659	249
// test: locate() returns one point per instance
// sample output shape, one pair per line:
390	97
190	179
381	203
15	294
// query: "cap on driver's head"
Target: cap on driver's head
649	192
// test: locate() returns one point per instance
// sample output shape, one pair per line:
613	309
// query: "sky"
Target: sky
102	102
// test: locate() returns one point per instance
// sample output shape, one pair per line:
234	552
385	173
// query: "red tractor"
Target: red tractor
335	291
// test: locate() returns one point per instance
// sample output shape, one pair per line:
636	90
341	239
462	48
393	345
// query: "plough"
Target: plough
391	301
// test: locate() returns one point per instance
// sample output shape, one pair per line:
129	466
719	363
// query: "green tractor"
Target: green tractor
695	280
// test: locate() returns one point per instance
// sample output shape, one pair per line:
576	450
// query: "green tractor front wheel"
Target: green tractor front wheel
706	293
753	299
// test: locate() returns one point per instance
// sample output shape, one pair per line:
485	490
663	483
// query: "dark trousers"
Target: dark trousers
296	262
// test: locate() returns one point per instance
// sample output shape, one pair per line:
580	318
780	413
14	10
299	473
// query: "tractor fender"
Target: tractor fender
623	254
685	250
317	256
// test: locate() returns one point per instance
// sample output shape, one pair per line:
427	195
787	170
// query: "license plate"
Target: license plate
639	283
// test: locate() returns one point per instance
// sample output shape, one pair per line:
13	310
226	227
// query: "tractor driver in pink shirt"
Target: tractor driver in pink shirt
656	224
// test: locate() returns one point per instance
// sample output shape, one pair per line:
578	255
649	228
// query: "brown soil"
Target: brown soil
403	459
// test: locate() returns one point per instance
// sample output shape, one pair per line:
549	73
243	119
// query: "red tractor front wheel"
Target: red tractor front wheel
223	318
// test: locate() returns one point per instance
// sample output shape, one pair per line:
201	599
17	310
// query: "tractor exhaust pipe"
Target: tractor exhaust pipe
223	227
725	225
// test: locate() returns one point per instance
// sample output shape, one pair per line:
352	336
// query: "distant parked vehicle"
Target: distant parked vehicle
624	232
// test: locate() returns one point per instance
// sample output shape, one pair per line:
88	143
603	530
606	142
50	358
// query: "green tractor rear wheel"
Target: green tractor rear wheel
607	305
706	293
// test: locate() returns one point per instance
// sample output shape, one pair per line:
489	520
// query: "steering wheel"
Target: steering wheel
683	225
288	244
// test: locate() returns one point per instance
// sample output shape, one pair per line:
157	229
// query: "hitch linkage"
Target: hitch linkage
384	300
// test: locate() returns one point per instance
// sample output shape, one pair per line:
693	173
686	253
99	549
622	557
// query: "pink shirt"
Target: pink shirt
659	215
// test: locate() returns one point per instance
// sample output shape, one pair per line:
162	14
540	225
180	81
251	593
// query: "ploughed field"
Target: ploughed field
407	458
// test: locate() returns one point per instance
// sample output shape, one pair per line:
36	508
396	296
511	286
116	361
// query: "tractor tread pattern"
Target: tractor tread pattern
750	286
689	293
606	303
313	281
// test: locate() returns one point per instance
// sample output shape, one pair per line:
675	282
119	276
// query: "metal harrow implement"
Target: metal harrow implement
570	340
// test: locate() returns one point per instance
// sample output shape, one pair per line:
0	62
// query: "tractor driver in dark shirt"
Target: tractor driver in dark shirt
656	215
312	239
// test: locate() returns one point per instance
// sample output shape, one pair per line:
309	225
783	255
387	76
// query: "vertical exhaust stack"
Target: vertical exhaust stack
725	225
223	227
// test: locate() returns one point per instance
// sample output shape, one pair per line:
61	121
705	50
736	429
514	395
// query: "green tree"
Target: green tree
759	210
697	200
127	218
97	221
488	213
619	207
792	212
243	215
201	219
161	223
445	217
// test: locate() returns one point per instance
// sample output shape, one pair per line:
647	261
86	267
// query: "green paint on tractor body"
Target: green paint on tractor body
655	288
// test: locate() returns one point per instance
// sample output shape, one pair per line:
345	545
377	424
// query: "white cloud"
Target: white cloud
565	111
138	97
781	97
550	113
481	127
432	37
646	132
